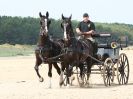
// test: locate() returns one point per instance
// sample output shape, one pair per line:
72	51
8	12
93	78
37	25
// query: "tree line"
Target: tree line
25	30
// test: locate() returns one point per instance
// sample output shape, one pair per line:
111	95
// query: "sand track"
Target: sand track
18	80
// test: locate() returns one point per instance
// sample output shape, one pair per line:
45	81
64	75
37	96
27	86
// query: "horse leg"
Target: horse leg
62	73
50	74
68	74
81	72
89	65
38	62
57	68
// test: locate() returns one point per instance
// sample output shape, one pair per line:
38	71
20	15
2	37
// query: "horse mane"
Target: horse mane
72	35
73	39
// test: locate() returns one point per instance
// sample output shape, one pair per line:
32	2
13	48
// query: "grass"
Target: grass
7	50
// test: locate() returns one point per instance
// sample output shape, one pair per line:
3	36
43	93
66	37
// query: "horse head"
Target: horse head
66	25
44	22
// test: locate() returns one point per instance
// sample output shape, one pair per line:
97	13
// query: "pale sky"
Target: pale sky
109	11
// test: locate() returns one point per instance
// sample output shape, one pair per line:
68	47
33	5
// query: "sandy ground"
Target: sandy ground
18	80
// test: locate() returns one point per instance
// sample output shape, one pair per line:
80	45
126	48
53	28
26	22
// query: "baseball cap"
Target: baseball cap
85	15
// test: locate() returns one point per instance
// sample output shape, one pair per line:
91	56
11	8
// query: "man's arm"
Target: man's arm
84	33
89	32
78	31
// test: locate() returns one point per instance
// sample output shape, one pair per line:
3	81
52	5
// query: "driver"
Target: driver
86	29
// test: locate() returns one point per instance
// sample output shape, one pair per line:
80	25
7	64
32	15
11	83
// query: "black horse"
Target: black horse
46	48
77	51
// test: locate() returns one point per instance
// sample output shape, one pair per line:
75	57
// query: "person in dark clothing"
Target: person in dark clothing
86	29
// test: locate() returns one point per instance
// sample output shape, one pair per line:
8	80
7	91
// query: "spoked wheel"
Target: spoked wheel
123	69
82	80
108	72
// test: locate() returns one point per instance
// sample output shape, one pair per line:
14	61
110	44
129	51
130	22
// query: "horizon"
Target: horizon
72	20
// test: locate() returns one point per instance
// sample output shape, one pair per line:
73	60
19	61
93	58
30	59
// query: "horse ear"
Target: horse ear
70	17
47	14
63	17
40	14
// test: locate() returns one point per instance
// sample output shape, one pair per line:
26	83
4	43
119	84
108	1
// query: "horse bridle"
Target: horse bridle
64	28
44	27
66	33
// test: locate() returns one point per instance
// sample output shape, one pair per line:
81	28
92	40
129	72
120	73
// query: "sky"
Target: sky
105	11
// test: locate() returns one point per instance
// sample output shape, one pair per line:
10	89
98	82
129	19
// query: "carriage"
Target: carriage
109	62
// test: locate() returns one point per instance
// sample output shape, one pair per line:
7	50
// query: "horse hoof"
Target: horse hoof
41	79
61	83
80	80
72	78
81	84
49	87
68	86
87	84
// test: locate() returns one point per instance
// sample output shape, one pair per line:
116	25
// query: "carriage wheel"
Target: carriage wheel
82	80
108	72
122	69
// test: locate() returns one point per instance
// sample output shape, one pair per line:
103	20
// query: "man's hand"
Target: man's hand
79	32
89	32
83	33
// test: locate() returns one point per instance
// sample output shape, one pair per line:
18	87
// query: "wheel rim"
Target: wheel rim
108	72
123	69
